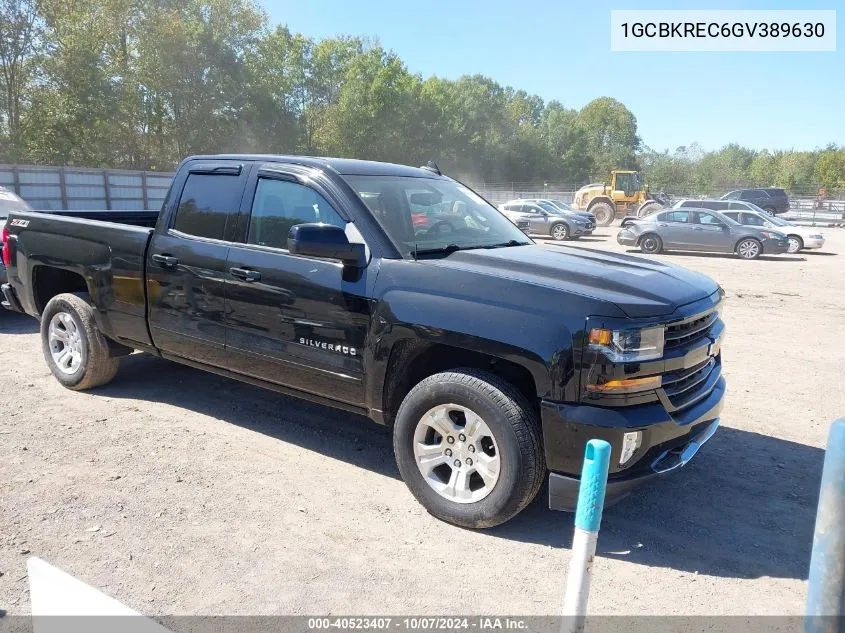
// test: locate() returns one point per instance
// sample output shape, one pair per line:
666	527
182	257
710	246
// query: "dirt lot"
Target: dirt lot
179	492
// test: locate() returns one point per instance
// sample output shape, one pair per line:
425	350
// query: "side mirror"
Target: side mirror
326	241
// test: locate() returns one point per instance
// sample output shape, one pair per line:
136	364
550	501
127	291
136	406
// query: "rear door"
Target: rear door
296	321
674	228
186	261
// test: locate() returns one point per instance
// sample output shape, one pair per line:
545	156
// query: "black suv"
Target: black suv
771	199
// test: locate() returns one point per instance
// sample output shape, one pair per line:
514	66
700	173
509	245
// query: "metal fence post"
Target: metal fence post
587	522
826	594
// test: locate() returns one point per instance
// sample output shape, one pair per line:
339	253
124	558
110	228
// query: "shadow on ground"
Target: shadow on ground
744	507
17	323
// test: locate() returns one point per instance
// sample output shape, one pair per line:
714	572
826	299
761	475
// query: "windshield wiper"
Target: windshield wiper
451	248
503	244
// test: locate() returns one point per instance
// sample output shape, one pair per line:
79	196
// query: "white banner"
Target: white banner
723	30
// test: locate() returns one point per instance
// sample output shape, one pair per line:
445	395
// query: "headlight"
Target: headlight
772	236
628	345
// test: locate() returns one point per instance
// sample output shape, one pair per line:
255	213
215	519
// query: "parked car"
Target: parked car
411	327
9	202
772	200
799	237
561	206
700	230
548	219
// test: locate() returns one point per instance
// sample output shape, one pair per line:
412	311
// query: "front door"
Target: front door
295	321
711	234
186	263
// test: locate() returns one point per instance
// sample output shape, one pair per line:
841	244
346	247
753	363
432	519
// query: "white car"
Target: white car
800	237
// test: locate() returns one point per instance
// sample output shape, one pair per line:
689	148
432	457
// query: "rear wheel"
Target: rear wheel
75	350
651	243
795	244
604	213
749	249
468	447
560	232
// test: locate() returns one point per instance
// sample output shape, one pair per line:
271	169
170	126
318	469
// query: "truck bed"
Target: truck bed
131	217
104	258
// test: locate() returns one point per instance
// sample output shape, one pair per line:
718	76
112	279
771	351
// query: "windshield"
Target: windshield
560	204
548	206
428	215
769	218
10	202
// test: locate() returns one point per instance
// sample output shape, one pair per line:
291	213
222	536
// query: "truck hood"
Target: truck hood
639	287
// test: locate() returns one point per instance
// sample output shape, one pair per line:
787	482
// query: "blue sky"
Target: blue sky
560	50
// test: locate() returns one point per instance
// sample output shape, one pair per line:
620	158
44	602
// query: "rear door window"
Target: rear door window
207	203
678	216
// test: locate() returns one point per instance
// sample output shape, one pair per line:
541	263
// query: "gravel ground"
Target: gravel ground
179	492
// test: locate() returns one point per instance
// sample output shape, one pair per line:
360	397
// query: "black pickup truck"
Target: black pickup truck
493	358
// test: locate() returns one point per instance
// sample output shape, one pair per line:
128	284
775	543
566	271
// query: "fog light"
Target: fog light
630	443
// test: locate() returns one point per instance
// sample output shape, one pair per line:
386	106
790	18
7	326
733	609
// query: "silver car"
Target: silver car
691	229
544	218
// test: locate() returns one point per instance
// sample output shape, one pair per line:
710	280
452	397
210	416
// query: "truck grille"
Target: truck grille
685	387
689	331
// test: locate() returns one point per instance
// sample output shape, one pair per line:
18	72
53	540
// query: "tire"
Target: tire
559	232
604	213
648	208
651	244
67	323
795	243
749	248
508	436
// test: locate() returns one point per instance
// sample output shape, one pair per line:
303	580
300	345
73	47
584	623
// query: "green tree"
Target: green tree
20	39
611	132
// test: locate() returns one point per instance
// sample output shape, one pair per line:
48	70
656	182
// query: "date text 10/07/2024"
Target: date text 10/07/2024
477	623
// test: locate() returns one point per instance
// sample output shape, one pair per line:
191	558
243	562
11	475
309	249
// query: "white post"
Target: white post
587	522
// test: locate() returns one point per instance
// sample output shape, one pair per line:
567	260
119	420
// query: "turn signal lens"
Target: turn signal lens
627	385
599	336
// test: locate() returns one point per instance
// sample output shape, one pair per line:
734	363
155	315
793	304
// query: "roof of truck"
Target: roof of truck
343	166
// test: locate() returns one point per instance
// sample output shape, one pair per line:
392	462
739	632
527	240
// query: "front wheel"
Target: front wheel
749	249
468	447
604	213
560	232
795	244
75	350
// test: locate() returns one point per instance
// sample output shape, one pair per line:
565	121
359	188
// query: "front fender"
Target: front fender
530	339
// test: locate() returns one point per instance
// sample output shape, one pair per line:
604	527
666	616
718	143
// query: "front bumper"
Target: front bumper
775	247
583	229
669	441
813	242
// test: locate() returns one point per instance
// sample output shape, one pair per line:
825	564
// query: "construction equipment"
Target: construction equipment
625	195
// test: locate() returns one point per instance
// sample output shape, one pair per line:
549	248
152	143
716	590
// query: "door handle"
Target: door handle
245	274
165	261
661	224
698	228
